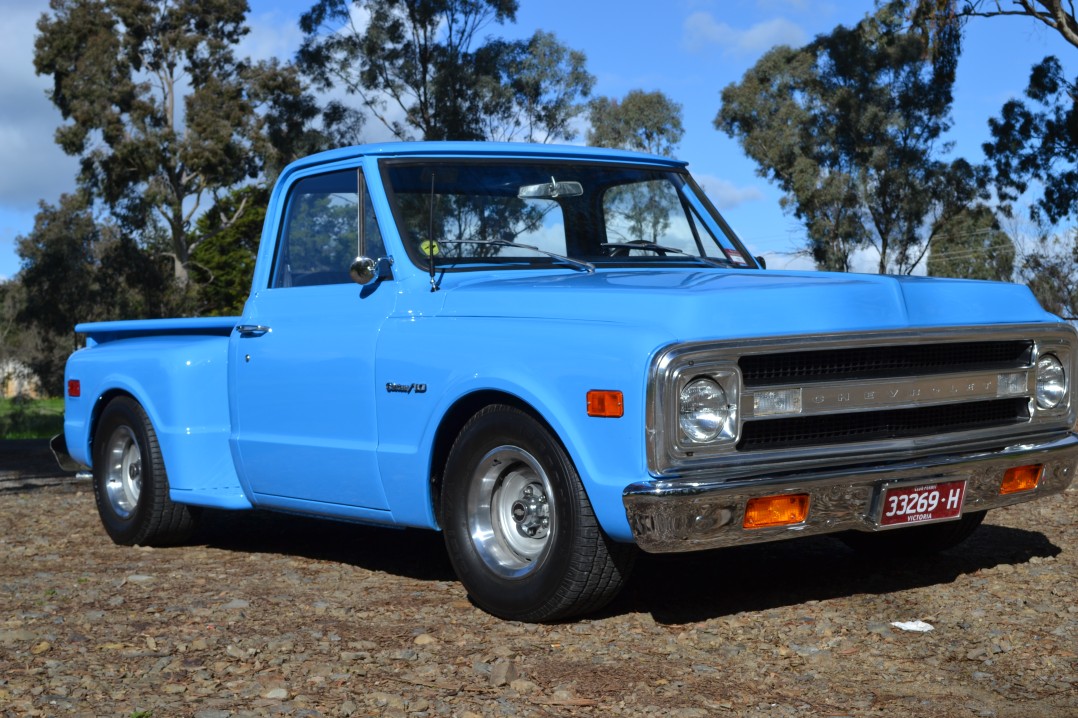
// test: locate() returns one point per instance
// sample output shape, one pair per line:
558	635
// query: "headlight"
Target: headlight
704	410
1051	382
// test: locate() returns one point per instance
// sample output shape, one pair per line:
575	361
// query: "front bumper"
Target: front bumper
674	515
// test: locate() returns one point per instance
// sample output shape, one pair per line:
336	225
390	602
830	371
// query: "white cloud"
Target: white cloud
701	31
34	167
725	194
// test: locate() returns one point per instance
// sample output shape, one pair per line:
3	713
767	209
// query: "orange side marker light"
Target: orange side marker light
1021	478
606	404
783	510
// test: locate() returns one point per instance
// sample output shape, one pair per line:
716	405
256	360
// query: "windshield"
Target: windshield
465	214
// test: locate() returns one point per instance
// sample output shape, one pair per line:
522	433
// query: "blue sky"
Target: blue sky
689	49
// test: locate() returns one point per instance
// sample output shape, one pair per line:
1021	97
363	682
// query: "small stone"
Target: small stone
40	648
387	700
523	686
276	694
503	672
139	578
236	603
425	639
17	635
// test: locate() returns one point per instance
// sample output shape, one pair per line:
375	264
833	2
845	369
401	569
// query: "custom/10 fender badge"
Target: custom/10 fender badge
406	388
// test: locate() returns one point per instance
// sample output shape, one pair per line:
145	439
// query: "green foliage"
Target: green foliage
1037	141
1051	271
642	121
422	59
850	127
75	270
223	258
161	112
970	245
24	418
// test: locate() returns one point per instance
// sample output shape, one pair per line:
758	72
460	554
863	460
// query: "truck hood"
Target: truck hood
715	304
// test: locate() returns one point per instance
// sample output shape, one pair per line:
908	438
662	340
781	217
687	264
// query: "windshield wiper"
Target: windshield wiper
575	263
663	249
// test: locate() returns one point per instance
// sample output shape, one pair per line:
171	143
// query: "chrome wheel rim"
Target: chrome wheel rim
511	516
123	472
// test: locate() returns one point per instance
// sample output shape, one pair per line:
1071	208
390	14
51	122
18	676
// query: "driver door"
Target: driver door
302	360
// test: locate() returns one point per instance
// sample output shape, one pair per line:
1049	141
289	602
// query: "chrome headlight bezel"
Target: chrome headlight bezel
705	413
722	416
1052	388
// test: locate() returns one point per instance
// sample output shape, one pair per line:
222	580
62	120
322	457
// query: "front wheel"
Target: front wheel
519	529
130	485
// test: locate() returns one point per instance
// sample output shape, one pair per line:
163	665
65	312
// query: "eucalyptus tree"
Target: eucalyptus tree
642	121
421	69
161	111
851	127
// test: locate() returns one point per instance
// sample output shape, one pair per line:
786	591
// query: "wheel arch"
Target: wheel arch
453	422
98	409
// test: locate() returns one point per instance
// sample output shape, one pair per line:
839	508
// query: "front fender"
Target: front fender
426	366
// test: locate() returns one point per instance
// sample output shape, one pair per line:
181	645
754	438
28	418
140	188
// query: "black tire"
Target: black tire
518	526
916	540
130	485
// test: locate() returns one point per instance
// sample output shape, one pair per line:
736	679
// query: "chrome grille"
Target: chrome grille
880	425
888	361
820	399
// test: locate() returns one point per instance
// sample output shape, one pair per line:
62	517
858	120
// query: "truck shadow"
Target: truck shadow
674	589
408	553
686	588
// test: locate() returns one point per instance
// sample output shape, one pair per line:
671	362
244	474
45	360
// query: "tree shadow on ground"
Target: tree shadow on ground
674	589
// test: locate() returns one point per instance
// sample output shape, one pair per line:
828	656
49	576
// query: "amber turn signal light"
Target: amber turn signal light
1021	478
776	511
606	404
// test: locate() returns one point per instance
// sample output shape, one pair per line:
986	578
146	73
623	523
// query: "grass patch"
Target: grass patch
22	418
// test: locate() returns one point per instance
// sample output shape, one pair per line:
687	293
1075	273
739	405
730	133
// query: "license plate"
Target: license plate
921	504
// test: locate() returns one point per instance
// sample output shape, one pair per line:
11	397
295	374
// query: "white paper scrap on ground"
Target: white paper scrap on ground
917	626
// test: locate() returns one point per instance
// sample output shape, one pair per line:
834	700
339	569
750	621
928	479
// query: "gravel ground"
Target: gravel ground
264	615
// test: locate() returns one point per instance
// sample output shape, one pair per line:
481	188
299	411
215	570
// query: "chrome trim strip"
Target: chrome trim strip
871	395
669	516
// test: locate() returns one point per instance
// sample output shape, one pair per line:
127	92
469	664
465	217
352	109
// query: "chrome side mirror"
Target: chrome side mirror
365	270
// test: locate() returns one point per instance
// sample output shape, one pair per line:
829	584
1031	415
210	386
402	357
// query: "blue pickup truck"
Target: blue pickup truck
558	357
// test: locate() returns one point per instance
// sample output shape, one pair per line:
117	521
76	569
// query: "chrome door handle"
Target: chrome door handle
252	330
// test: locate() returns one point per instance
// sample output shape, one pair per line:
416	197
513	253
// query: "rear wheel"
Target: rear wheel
130	485
518	526
916	540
